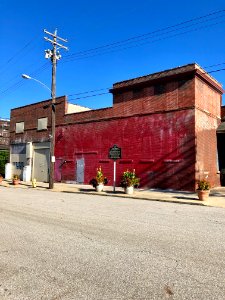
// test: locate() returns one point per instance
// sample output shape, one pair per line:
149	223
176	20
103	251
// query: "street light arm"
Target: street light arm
28	77
42	84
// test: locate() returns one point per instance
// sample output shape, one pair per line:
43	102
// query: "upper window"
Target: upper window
159	89
42	124
20	127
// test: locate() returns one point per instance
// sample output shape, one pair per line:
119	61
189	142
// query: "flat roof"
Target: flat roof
193	67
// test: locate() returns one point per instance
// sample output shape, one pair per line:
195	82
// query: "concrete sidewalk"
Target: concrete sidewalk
217	195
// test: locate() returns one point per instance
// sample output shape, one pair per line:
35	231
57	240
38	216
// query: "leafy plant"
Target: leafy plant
4	158
99	178
129	178
204	185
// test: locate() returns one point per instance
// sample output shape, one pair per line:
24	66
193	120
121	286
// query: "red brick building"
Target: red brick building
165	123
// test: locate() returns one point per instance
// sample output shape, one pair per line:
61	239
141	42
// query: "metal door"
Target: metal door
80	170
41	165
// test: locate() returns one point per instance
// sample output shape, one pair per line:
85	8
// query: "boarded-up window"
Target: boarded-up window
20	127
42	123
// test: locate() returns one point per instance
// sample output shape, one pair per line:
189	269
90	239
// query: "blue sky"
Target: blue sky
92	24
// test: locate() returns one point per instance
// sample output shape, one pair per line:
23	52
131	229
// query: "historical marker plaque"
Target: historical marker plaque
115	152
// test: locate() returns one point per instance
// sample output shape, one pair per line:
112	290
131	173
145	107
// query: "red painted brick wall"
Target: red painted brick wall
159	146
169	138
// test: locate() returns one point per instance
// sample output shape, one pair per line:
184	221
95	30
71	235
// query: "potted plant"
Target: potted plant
16	179
99	180
129	181
203	189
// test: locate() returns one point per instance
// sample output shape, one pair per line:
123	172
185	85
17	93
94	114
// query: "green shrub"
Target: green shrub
4	158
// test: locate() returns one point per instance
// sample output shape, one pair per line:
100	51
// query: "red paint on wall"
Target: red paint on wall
159	147
165	124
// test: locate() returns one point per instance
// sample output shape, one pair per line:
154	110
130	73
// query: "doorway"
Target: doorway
41	164
80	170
221	155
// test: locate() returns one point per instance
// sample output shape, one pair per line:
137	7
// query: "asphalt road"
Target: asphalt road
72	246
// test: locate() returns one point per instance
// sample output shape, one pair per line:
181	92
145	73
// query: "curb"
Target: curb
137	198
105	194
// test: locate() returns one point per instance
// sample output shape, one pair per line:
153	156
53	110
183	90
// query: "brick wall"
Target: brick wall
207	120
159	146
29	115
165	125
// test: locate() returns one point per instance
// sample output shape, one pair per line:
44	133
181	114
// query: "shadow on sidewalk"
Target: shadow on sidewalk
83	190
185	198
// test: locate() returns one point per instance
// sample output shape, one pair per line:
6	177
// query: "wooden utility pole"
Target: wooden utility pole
54	56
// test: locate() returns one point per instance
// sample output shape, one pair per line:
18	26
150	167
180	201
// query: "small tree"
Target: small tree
4	158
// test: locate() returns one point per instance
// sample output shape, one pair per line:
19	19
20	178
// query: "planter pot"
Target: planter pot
203	194
16	181
129	190
99	187
1	178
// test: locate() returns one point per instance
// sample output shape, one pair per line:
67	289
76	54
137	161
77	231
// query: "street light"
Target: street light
25	76
52	136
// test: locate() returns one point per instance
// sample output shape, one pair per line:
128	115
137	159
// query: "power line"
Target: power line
137	38
89	53
146	34
21	82
94	95
17	53
100	94
140	44
46	65
87	92
12	58
17	85
215	71
89	96
220	64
